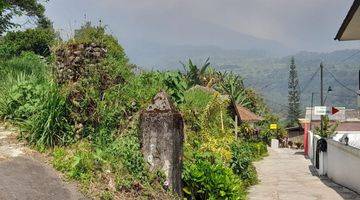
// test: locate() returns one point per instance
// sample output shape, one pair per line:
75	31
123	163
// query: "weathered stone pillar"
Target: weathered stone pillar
162	138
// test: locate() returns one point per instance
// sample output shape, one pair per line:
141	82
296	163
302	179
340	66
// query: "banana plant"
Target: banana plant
193	74
232	85
176	86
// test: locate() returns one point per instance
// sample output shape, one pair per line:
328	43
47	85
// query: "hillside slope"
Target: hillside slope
268	74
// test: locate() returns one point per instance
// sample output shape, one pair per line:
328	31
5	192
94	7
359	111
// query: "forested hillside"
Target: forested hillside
268	74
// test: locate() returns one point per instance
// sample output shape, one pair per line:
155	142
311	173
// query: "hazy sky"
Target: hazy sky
296	24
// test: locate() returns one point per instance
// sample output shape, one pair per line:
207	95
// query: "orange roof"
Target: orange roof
246	115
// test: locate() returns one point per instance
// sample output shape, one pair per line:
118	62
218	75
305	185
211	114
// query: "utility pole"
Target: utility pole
312	108
321	95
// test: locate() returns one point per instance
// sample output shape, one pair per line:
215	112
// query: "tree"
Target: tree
17	8
37	40
294	95
328	128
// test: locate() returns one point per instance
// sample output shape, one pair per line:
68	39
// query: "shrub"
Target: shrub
243	154
21	100
97	34
195	102
36	40
205	177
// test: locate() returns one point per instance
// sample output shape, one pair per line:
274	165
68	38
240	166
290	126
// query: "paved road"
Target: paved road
286	175
23	176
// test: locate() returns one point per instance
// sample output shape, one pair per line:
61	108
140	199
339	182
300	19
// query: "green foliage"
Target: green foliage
215	117
88	34
13	9
328	129
256	102
293	96
23	80
195	75
266	133
196	101
205	177
22	100
27	64
232	84
214	162
127	149
78	165
136	94
50	125
106	196
243	154
176	86
36	40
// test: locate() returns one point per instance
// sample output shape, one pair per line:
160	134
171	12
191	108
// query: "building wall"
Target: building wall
296	136
343	164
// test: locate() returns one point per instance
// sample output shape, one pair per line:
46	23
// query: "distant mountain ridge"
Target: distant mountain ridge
268	72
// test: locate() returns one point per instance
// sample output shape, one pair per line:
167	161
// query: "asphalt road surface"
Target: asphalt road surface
25	177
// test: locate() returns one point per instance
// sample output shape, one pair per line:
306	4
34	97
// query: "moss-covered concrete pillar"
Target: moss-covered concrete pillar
162	138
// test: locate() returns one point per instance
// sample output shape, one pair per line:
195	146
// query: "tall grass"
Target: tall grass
29	98
20	79
50	126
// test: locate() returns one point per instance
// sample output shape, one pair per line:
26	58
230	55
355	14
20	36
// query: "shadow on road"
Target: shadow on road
344	192
299	153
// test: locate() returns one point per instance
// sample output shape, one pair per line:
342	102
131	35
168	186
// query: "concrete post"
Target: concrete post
162	138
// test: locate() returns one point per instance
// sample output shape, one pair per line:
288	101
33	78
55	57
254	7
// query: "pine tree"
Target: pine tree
294	95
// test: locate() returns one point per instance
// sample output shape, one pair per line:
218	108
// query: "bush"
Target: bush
243	154
21	100
36	40
88	34
196	100
205	177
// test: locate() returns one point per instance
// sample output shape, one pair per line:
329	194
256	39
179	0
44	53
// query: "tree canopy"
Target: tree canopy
18	8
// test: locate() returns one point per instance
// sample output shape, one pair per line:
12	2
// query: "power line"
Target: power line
347	58
344	96
277	103
308	82
340	83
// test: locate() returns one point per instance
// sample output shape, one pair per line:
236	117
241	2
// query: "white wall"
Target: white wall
343	164
310	144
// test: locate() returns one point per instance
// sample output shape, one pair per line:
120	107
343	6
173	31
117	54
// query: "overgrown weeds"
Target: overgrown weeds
84	110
